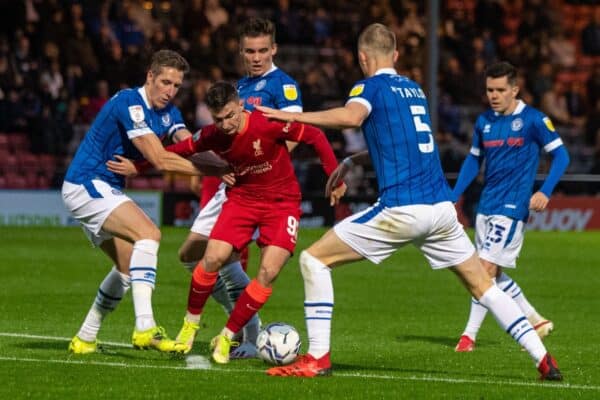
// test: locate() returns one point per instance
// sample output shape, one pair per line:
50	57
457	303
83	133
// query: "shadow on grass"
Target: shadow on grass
441	340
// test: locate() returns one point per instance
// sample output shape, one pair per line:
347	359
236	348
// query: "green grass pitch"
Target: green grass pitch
394	330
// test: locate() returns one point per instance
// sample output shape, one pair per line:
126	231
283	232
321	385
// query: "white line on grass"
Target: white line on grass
196	362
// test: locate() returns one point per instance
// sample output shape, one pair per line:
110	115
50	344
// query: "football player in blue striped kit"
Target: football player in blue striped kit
131	124
415	206
508	138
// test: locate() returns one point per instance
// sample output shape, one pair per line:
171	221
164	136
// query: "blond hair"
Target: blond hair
377	38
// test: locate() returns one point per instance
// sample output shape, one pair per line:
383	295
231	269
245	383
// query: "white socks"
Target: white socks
318	303
511	288
111	291
142	269
513	321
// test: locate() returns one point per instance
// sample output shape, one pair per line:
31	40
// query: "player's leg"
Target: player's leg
232	277
129	222
542	325
508	315
202	284
110	293
477	314
447	244
252	299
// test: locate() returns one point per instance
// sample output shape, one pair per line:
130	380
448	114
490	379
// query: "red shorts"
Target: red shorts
277	223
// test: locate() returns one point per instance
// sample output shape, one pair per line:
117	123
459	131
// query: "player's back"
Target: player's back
400	141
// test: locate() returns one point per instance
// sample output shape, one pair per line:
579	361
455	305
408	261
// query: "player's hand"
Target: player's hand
229	179
276	114
538	201
124	166
337	194
335	178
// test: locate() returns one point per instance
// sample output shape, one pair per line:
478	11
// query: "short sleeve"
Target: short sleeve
545	134
363	92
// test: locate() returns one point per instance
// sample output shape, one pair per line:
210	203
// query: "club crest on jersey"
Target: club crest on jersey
257	150
290	92
166	119
196	135
548	124
517	124
357	89
136	113
261	84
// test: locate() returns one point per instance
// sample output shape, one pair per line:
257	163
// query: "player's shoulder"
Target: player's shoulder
280	75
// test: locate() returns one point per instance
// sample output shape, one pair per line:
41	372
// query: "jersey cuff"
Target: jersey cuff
553	145
294	108
138	132
362	101
475	151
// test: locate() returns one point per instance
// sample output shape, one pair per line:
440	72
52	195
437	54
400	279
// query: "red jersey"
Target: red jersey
258	155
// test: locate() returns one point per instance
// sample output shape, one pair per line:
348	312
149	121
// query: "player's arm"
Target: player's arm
339	173
164	161
316	138
560	161
351	115
468	172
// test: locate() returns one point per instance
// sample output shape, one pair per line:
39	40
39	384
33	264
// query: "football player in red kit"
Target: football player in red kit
266	196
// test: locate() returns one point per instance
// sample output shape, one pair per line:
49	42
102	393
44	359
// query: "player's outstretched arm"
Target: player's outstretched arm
164	161
351	115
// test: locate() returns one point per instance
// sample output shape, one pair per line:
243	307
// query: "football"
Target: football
278	343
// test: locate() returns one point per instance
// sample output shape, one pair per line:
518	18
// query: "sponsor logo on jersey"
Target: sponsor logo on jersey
261	84
486	128
515	141
136	113
257	150
140	125
357	89
548	124
517	124
290	92
493	143
254	100
166	119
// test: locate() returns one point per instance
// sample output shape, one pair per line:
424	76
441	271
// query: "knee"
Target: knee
212	262
310	264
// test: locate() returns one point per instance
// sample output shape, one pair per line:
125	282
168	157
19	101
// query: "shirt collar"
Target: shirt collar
390	71
142	93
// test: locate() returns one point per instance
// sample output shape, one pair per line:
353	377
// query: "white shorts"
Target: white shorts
378	231
498	239
207	217
90	204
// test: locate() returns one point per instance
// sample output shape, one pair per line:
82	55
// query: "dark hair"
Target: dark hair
500	69
255	27
220	94
168	58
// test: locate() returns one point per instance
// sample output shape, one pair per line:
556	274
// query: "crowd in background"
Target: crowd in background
60	61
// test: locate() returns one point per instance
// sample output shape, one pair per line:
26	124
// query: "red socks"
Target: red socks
252	299
201	287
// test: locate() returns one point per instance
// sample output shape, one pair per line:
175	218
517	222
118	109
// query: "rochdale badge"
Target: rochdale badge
517	124
136	113
166	119
290	92
261	84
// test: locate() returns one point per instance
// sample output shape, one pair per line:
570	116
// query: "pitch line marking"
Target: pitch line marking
425	378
